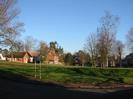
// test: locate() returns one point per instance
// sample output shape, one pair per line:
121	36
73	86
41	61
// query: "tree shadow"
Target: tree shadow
15	86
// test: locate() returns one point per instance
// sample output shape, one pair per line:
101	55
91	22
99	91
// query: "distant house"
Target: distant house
2	57
35	57
113	61
52	57
22	57
32	57
128	60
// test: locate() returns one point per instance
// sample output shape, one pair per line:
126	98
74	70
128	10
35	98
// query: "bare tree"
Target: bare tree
91	48
9	26
80	57
130	39
17	46
43	49
106	36
119	49
117	52
29	43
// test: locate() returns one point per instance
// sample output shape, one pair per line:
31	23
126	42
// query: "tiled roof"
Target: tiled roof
17	55
34	54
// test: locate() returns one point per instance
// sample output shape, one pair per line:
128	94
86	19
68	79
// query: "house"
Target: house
128	60
35	57
32	57
2	57
52	57
22	57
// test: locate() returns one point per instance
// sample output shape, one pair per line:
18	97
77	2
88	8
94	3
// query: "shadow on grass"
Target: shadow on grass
14	86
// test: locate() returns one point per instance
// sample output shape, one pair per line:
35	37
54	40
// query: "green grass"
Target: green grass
69	74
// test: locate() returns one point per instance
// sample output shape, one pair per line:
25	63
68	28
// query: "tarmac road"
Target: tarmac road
14	86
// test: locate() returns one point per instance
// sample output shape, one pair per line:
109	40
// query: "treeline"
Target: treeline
80	58
101	47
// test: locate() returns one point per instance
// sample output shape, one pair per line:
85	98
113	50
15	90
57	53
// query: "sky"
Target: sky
69	22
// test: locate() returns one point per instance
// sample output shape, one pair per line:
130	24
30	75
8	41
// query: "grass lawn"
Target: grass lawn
69	74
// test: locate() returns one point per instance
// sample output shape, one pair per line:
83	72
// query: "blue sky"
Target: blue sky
69	22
